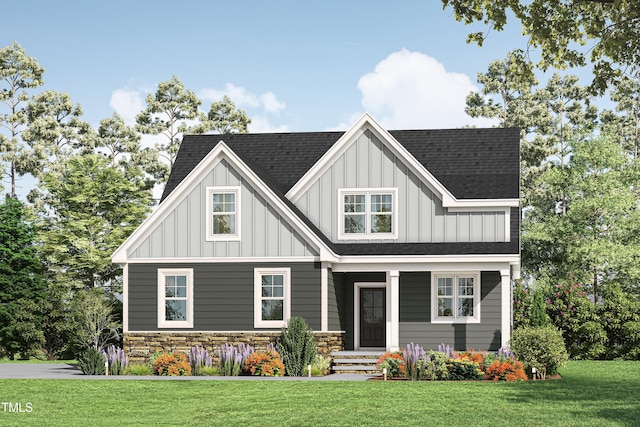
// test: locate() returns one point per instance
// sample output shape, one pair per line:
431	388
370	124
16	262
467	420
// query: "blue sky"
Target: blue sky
291	65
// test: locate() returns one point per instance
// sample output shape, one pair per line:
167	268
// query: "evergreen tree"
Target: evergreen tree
21	281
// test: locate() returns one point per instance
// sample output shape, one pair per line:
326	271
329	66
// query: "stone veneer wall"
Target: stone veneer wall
140	345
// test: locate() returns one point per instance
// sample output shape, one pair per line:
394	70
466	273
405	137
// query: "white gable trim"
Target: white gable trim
366	122
219	152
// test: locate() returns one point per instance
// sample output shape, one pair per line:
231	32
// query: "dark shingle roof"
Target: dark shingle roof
470	163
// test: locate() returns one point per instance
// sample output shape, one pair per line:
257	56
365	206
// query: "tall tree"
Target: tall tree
21	280
595	238
95	205
625	121
170	112
224	117
55	132
562	28
18	74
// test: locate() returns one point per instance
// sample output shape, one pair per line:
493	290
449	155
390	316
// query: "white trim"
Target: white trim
393	324
505	303
125	298
368	192
162	322
477	290
252	331
209	260
324	296
210	191
356	311
219	152
257	297
366	122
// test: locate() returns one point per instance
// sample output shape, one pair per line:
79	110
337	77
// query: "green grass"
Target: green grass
589	394
35	360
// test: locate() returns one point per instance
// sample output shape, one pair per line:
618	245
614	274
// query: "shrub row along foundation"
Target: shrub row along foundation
141	345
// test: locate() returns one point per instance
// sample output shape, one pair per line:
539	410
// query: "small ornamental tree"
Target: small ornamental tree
297	346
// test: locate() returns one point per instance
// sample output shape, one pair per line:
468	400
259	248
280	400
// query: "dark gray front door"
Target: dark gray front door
372	317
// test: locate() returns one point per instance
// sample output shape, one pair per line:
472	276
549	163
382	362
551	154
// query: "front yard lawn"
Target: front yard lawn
590	393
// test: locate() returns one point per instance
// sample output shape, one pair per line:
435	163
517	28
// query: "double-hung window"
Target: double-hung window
456	298
223	209
272	297
175	298
367	213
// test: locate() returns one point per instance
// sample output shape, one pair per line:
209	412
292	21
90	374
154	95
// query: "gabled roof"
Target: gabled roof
471	163
470	167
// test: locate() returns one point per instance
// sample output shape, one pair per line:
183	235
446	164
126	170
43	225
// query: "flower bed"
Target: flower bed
414	363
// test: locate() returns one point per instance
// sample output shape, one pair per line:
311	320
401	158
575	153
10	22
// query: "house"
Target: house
376	238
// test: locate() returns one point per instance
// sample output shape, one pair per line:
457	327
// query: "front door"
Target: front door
372	317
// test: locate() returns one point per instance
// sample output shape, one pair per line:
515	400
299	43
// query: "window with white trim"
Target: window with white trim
223	210
175	298
272	297
368	213
455	297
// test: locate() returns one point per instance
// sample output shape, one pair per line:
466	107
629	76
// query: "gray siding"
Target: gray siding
415	316
264	231
223	295
367	163
335	312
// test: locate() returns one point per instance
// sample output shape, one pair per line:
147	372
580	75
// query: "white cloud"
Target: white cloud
243	98
127	103
411	90
270	103
261	124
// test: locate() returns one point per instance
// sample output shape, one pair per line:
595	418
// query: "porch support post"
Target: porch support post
324	297
125	298
393	340
506	292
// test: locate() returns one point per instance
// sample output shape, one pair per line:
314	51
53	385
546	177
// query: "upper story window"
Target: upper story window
455	298
223	210
368	213
175	298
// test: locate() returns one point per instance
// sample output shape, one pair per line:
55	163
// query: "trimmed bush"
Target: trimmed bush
264	363
435	365
172	364
541	348
459	369
138	369
394	362
91	362
297	346
508	370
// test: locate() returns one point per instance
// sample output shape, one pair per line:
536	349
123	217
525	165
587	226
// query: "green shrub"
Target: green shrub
464	370
91	362
297	346
435	365
321	365
394	363
138	369
540	348
209	371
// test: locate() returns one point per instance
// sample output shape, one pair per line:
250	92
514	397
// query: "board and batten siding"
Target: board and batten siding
264	232
415	315
367	163
223	295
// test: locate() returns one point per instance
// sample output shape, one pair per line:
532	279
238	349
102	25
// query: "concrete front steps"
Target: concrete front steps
355	362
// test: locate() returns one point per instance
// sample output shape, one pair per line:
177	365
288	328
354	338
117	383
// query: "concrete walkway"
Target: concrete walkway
61	371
